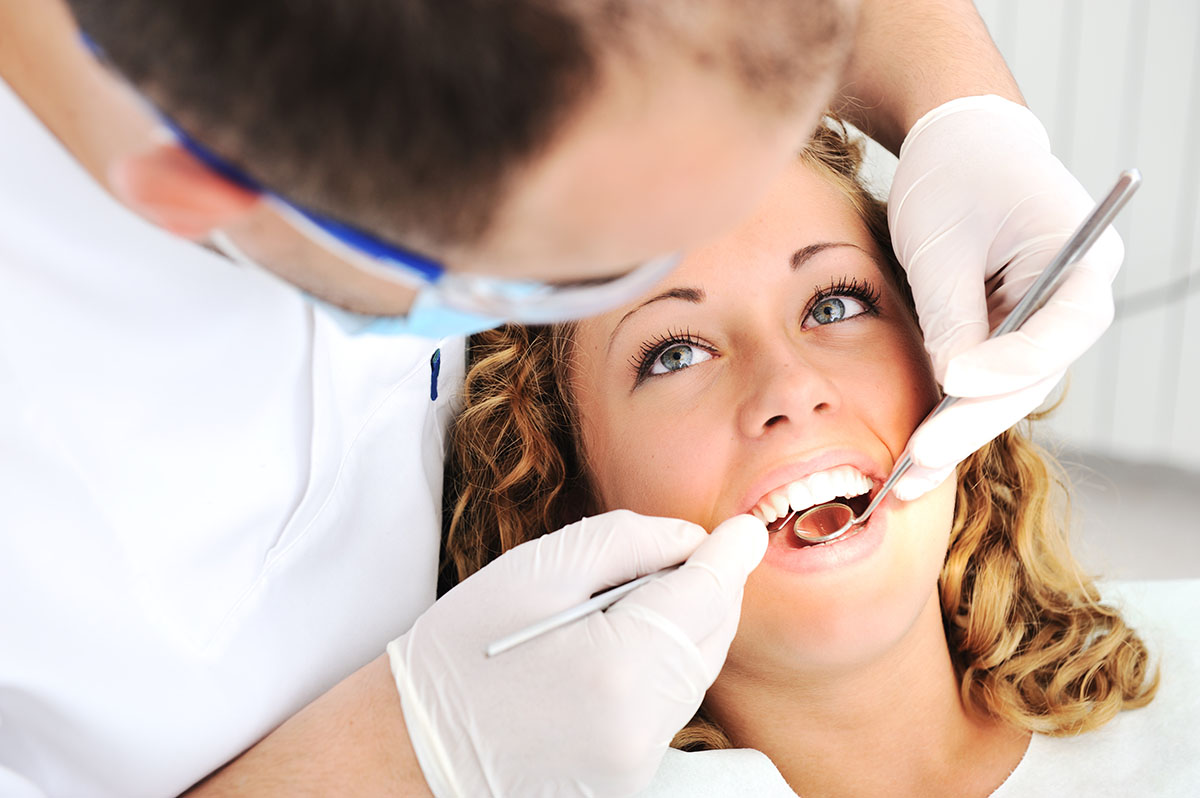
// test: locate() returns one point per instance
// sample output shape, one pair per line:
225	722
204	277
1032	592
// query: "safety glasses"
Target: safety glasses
524	301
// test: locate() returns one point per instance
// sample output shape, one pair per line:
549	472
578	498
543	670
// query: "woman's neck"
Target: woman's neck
893	727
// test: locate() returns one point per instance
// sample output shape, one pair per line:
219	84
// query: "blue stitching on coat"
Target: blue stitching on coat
435	366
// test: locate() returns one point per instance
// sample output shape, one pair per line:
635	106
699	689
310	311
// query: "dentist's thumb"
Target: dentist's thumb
702	601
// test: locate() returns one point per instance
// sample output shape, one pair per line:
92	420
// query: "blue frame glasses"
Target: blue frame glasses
360	241
526	301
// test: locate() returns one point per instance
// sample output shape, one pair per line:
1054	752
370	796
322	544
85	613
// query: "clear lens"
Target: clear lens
522	301
529	302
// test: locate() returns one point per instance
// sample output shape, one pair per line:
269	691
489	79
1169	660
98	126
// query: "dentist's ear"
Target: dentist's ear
171	188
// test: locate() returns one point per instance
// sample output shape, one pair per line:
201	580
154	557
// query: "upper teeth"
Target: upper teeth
818	488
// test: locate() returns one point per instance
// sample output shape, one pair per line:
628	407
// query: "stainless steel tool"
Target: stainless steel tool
840	516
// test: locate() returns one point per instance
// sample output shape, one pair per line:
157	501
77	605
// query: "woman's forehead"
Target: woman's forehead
807	220
804	209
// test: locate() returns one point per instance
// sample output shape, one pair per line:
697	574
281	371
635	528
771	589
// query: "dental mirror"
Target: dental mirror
823	522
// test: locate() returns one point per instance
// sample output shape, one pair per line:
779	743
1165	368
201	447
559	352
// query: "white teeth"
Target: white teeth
799	495
819	485
779	499
774	505
818	488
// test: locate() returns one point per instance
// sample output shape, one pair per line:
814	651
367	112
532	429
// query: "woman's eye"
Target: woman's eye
678	357
833	309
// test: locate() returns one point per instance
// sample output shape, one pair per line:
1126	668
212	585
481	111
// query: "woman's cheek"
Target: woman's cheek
645	467
929	520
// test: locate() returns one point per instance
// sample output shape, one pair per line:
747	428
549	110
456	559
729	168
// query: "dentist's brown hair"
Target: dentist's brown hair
412	118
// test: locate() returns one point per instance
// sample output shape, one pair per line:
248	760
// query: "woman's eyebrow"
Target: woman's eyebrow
804	254
687	294
696	295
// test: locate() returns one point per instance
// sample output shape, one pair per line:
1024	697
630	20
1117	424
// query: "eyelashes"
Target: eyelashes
862	290
651	350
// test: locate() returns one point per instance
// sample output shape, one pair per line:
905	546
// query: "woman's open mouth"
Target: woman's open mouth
843	484
857	504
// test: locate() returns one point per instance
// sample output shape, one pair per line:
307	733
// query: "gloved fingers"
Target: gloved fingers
953	328
608	549
946	440
1032	242
691	673
957	311
1046	344
946	273
697	661
646	685
947	237
918	481
1006	288
701	596
1041	225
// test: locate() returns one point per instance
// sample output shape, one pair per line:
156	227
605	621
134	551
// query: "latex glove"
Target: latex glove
590	708
977	209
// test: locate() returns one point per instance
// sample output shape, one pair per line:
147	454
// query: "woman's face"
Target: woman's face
777	365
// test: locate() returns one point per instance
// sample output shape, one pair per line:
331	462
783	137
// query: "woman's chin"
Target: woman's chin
829	607
821	640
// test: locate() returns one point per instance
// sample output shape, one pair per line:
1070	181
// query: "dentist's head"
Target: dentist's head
559	142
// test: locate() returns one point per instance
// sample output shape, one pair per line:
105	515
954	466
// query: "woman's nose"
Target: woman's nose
786	389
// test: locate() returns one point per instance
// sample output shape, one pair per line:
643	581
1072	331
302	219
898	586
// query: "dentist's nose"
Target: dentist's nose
784	390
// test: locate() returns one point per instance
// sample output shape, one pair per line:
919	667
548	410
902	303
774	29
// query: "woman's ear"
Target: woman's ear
171	188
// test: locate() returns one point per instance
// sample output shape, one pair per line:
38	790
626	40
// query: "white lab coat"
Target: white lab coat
213	504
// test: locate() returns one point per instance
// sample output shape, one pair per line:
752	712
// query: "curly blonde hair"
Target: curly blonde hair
1031	642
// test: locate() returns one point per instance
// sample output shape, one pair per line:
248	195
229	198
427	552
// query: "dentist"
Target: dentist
221	494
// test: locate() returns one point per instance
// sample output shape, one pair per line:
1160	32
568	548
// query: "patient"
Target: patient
779	366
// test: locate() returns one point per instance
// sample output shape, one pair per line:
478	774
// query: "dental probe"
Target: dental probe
841	516
600	601
1038	294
